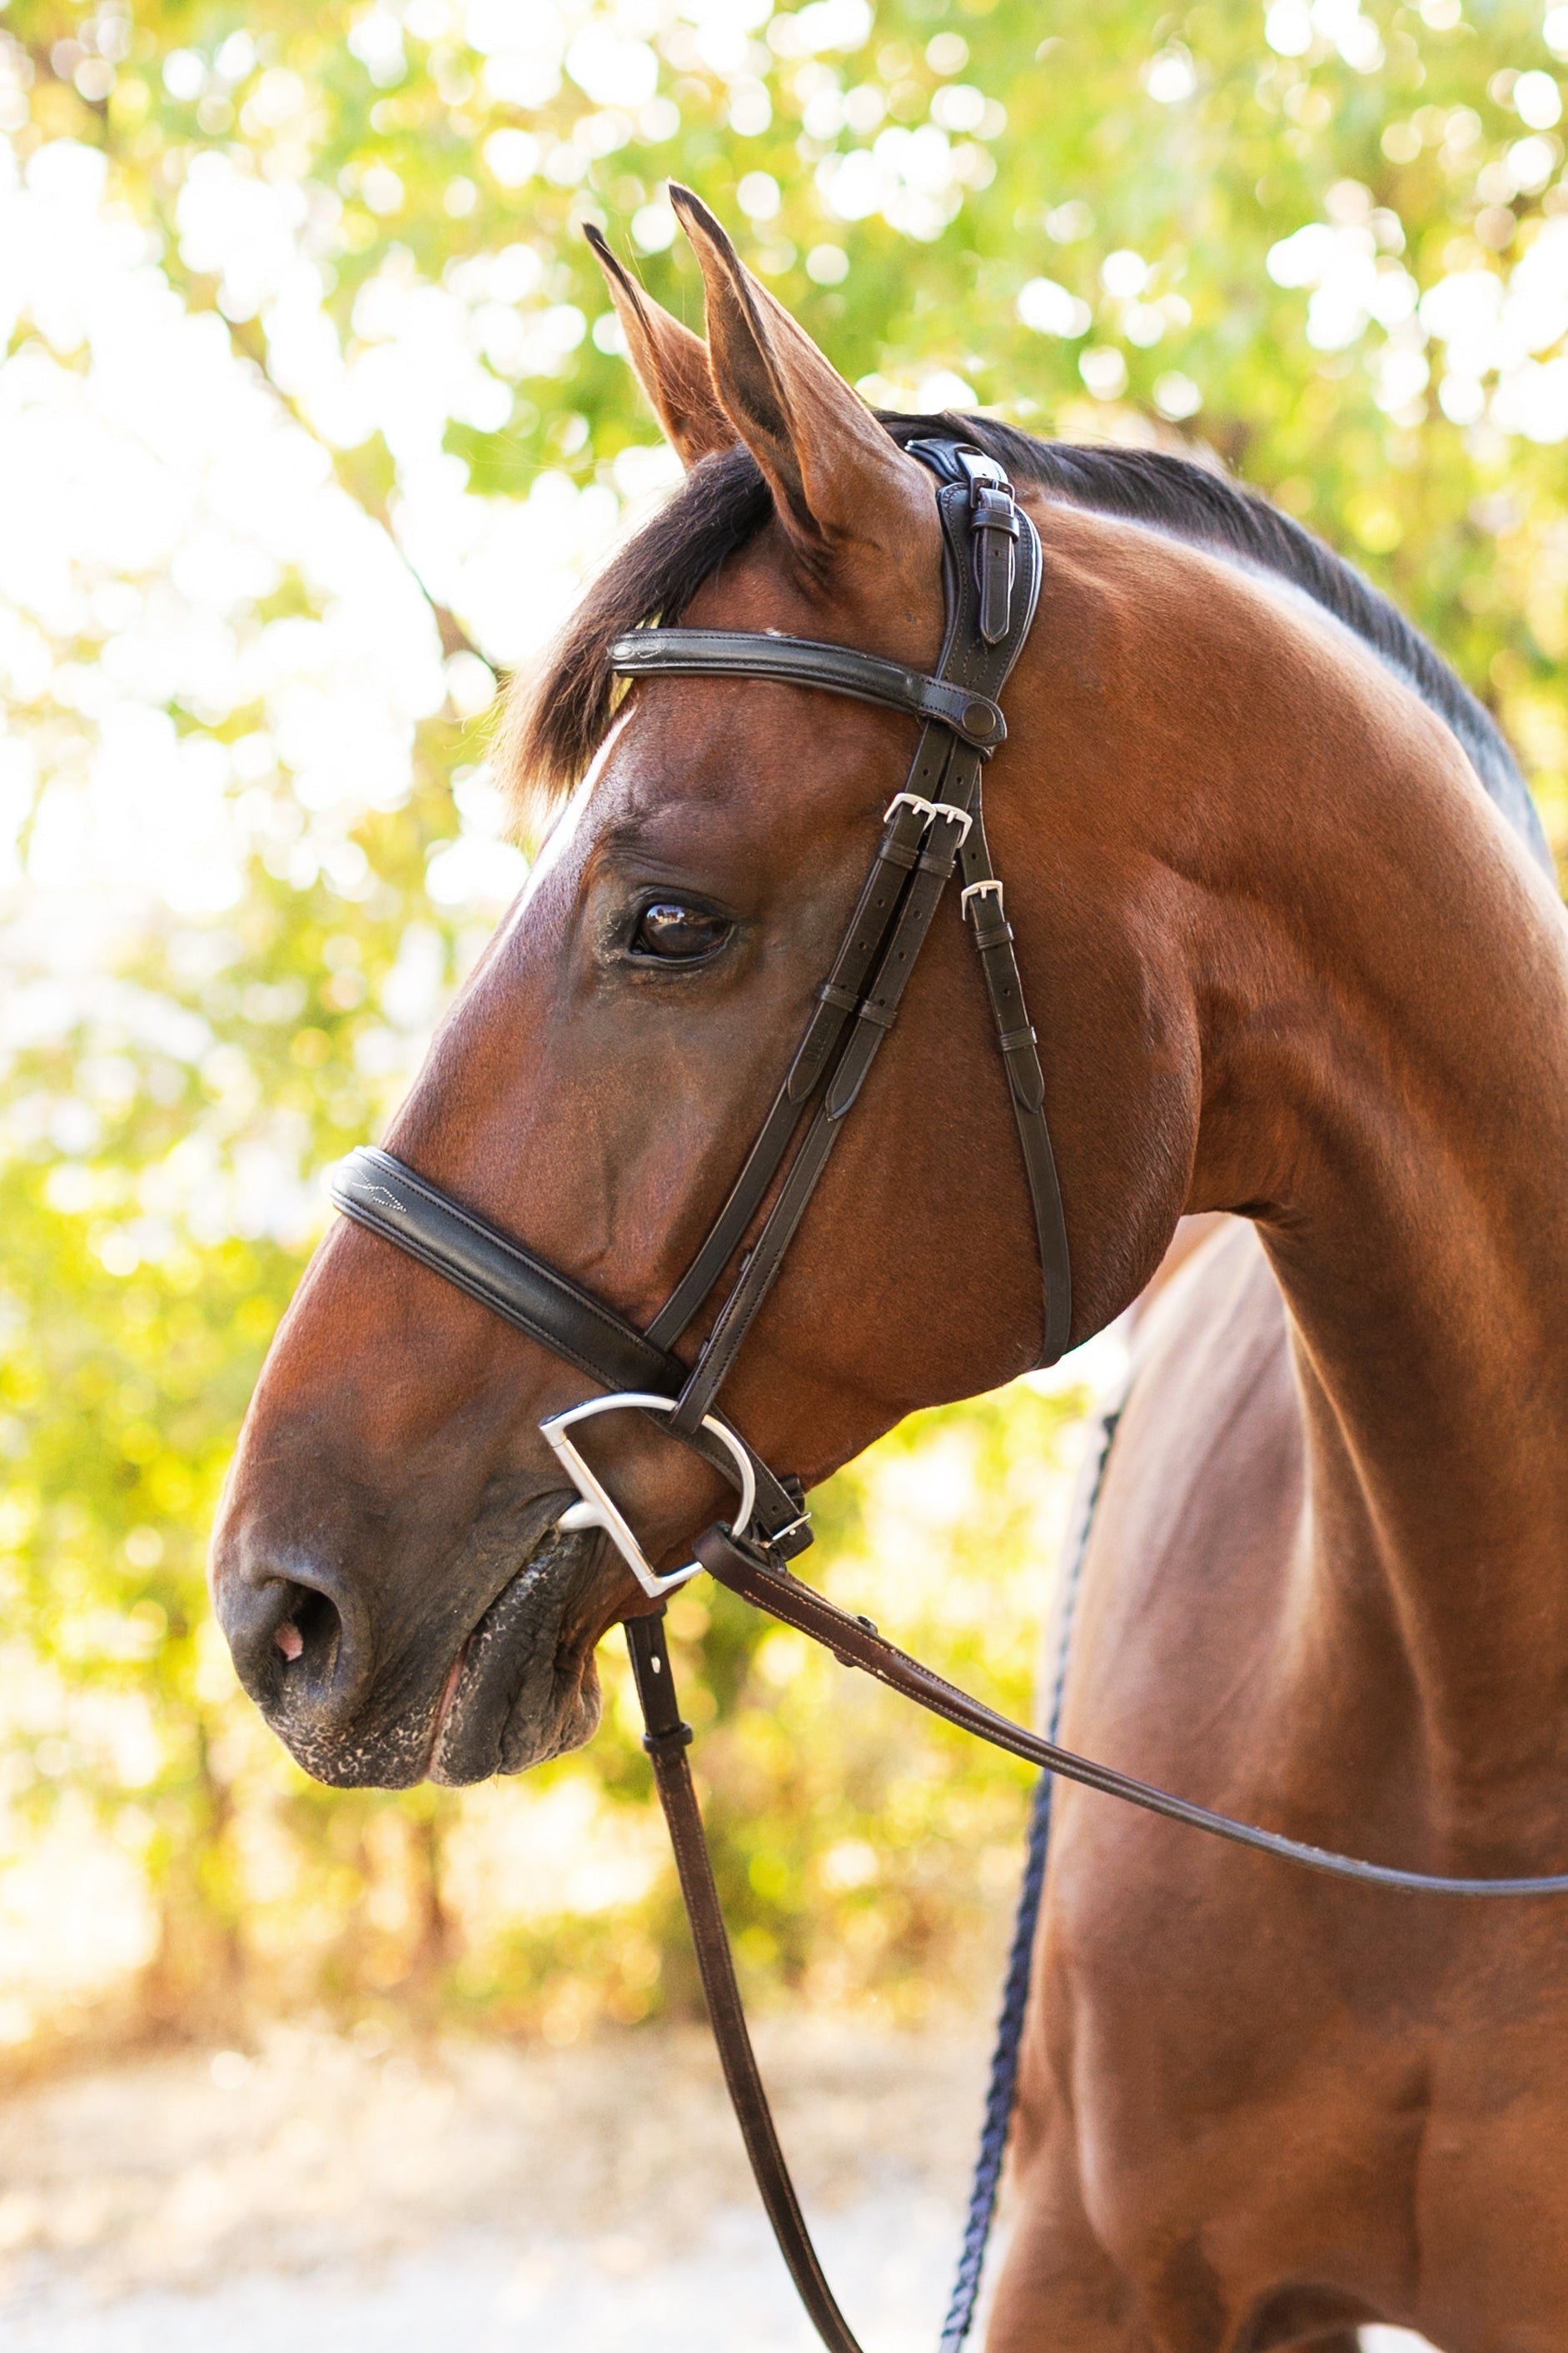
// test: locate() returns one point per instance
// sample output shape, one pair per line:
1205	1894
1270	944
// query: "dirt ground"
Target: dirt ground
333	2196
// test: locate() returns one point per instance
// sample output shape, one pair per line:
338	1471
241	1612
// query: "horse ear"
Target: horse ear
838	479
670	364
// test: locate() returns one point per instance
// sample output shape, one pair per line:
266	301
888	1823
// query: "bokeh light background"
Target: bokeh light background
312	421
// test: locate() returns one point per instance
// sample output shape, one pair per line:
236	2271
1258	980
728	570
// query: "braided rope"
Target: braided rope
1002	2089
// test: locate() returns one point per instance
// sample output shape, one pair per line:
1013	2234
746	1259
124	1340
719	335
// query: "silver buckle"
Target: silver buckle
598	1508
973	891
931	809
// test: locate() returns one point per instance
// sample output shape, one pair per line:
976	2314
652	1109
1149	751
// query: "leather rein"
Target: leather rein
932	828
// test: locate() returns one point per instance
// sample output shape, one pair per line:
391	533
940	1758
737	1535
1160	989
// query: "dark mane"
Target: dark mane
557	721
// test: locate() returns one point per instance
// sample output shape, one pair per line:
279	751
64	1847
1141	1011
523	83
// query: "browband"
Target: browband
807	661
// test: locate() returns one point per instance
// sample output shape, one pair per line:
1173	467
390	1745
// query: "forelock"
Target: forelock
558	712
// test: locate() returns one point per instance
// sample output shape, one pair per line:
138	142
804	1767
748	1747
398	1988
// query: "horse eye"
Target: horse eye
679	934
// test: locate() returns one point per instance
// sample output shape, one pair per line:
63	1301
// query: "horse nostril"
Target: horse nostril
287	1637
311	1631
296	1648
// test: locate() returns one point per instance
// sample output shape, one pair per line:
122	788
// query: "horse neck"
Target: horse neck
1394	1109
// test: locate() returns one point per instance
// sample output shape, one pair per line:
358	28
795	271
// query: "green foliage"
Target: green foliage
1076	219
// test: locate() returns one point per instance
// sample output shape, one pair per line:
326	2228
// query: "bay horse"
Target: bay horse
1283	913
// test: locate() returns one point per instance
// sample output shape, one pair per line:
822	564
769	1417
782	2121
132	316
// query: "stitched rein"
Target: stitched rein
934	827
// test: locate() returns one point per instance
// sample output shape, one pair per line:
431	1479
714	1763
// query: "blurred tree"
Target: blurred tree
1091	224
1327	242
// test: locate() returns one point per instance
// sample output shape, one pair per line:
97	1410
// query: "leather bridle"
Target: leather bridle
932	828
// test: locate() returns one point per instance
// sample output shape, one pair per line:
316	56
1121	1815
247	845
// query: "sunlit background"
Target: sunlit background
312	421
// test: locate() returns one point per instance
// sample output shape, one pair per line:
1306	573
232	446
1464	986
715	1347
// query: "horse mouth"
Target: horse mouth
523	1687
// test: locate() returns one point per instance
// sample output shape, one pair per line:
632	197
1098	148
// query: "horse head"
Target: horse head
390	1568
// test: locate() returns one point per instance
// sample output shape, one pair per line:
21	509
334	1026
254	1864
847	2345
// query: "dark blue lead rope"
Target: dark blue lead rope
1004	2084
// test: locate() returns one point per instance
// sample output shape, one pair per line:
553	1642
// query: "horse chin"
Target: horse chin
525	1686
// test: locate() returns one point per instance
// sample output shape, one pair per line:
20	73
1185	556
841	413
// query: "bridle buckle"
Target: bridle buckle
930	811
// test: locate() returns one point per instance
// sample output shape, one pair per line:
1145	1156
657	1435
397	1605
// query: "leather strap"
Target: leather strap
525	1291
874	1017
992	933
946	815
995	523
377	1191
902	829
897	855
807	661
665	1739
855	1643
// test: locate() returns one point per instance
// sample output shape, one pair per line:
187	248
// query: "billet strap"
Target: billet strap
378	1192
808	661
983	907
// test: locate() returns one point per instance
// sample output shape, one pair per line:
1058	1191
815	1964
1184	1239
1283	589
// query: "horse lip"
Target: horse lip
448	1694
498	1670
452	1687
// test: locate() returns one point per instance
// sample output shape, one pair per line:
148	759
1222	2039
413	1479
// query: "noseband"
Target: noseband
934	828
